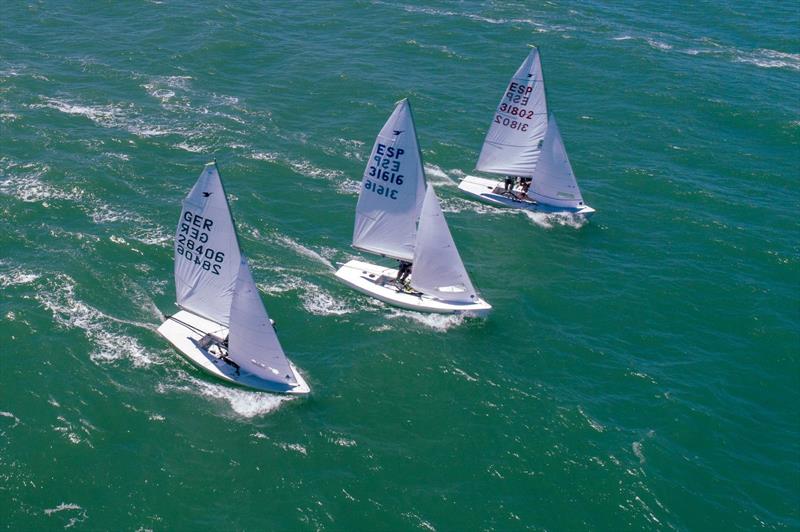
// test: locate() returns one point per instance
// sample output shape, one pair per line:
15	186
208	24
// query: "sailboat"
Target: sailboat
222	326
524	141
398	218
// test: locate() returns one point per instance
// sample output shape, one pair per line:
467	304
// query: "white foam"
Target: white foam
101	329
766	58
457	205
550	220
263	156
303	250
463	374
480	18
439	175
437	322
11	416
296	447
245	403
349	186
319	302
23	181
622	38
350	148
16	277
70	433
596	425
68	507
658	45
109	116
438	47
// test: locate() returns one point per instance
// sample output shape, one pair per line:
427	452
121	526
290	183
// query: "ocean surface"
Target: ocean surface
640	371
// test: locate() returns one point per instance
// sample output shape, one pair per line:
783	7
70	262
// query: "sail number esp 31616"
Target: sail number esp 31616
384	171
191	243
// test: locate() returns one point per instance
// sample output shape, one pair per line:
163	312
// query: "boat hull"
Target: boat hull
491	191
376	281
184	331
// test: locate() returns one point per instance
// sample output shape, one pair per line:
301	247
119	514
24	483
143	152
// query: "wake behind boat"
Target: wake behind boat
222	326
393	196
524	144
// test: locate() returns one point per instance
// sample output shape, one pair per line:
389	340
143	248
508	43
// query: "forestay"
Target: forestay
554	182
252	342
392	190
513	142
206	250
438	270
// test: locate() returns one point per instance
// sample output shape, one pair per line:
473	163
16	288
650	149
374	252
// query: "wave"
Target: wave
295	447
434	171
28	186
301	166
80	516
9	415
437	322
72	434
766	58
349	187
16	276
108	116
550	220
540	27
319	302
457	205
245	403
102	330
300	249
314	299
436	47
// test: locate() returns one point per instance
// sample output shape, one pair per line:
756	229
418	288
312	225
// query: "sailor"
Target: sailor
525	184
509	184
224	354
403	271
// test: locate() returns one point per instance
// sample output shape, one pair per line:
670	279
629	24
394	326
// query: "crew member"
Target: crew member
403	271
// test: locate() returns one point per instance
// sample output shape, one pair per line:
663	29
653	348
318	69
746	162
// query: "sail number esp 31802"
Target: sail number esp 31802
384	171
191	243
517	93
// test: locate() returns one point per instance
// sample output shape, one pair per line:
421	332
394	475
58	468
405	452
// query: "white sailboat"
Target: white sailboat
524	142
392	200
222	326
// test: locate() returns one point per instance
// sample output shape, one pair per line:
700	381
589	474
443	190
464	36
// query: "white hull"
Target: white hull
184	330
378	282
492	191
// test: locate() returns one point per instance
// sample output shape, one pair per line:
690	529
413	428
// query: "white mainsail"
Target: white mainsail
207	252
553	181
252	342
392	189
438	270
513	142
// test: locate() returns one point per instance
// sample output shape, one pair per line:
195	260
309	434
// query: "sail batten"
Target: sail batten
207	252
392	189
513	142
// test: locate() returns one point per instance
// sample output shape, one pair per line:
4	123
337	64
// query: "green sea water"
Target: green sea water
641	371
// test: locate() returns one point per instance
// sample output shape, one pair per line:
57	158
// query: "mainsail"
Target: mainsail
438	270
513	142
553	181
252	342
207	253
392	189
